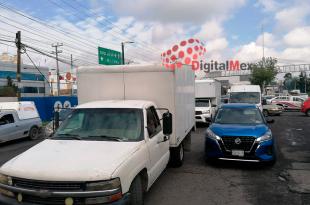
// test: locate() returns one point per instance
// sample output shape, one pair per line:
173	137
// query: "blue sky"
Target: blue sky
230	29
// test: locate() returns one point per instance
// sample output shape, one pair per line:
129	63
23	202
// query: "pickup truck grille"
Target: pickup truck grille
198	112
245	144
50	200
48	185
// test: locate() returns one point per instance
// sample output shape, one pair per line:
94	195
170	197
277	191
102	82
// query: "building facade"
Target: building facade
33	83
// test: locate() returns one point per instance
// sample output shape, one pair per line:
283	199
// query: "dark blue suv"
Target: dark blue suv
239	132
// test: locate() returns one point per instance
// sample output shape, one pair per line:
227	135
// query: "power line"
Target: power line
47	25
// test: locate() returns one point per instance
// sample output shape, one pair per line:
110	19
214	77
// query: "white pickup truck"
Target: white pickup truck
207	99
112	148
18	120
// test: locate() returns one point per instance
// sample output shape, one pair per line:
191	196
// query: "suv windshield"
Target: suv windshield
245	97
110	124
202	103
239	116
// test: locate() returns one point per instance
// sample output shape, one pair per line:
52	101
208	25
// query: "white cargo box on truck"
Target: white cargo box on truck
25	110
208	88
172	89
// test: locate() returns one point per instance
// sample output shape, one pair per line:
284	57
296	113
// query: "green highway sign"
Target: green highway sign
109	57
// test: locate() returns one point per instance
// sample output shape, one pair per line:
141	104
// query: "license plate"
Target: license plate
239	153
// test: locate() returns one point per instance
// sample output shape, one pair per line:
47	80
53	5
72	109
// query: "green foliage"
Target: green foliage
10	90
264	72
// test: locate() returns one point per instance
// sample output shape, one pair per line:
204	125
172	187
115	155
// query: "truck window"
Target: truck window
6	119
153	123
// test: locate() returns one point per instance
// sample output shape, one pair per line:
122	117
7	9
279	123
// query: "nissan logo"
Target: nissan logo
238	141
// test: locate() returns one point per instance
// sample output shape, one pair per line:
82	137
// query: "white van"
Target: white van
246	94
18	120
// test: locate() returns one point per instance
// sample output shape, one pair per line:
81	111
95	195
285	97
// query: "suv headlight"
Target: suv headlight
104	185
211	135
265	137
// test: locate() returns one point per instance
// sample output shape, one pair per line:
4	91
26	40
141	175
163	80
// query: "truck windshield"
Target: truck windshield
202	103
245	97
109	124
239	116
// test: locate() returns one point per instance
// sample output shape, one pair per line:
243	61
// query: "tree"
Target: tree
264	72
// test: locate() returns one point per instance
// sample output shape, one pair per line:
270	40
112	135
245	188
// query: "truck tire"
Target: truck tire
177	156
34	133
136	192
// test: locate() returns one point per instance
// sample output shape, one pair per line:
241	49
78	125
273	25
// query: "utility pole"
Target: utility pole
57	65
18	45
123	54
71	71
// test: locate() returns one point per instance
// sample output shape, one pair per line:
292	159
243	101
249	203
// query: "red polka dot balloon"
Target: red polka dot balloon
183	53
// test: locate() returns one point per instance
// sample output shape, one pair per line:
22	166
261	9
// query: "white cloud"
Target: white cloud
299	37
290	18
252	52
269	40
218	44
194	11
210	30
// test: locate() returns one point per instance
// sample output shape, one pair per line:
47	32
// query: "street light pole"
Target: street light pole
123	52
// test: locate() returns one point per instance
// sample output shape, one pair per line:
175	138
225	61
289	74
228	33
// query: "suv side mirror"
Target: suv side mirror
167	123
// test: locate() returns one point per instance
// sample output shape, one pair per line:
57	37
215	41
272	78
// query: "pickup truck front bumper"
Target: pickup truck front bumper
12	201
48	196
203	118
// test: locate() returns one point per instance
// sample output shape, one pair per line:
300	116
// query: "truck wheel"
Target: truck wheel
265	112
177	156
34	133
308	113
136	192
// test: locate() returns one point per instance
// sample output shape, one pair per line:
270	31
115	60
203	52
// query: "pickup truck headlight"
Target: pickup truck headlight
211	135
103	185
206	112
265	137
7	181
4	179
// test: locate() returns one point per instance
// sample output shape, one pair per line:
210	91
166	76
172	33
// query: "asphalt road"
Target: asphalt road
230	183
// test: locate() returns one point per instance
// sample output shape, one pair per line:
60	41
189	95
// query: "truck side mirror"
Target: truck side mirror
167	123
56	118
214	105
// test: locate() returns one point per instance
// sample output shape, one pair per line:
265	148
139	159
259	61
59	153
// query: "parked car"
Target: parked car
288	102
18	120
306	107
272	109
239	132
